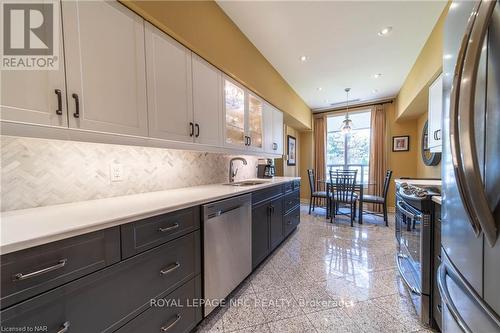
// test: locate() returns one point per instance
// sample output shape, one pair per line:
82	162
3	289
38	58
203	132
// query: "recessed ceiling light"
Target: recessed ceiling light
326	101
303	58
377	75
448	56
319	88
385	31
374	91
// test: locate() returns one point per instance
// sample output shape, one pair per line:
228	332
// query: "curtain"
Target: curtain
319	148
377	155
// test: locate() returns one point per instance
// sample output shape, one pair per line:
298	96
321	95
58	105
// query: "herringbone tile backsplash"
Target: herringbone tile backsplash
38	172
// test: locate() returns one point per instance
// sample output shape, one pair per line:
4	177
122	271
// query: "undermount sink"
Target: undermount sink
247	183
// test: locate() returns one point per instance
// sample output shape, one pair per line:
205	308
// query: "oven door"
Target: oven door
408	235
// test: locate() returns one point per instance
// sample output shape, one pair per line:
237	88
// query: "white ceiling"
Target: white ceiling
340	41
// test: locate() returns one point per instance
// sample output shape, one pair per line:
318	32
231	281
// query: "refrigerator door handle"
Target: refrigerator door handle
462	131
447	269
446	298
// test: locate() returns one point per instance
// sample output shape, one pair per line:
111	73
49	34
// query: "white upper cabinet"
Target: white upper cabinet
268	128
434	134
254	130
273	130
170	107
35	96
207	102
105	67
277	144
234	115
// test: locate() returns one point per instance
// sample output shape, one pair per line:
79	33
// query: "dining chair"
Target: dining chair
380	200
343	185
315	195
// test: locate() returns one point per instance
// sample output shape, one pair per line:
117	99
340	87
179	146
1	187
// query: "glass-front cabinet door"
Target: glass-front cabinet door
234	99
254	128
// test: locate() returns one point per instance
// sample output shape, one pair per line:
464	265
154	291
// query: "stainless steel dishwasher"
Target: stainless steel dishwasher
227	245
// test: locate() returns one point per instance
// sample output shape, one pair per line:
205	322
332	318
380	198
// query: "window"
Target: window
349	151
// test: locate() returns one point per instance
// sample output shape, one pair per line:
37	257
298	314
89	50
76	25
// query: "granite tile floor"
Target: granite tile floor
323	278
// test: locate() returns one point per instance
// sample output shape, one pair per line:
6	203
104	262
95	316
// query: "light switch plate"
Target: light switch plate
115	172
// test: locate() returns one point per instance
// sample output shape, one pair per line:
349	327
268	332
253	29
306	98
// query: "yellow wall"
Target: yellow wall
403	164
291	170
427	67
424	171
203	27
306	161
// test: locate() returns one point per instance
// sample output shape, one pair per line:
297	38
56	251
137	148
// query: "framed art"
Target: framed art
292	150
401	143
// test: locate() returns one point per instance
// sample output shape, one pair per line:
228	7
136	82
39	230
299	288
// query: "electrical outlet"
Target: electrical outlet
115	172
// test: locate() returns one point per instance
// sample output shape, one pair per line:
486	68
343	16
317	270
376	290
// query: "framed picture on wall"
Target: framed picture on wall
292	150
401	143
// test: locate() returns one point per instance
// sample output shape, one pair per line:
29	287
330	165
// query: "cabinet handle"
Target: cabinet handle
172	227
249	141
289	222
21	276
436	134
275	146
172	324
64	327
191	129
59	101
170	269
197	130
77	105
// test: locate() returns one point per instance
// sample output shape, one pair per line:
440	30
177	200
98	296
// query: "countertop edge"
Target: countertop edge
79	229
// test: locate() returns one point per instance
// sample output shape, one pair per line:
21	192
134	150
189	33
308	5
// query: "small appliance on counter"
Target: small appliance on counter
265	168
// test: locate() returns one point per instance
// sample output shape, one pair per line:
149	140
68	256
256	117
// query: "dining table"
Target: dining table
358	188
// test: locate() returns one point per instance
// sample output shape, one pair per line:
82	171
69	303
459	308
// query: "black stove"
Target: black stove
414	211
419	197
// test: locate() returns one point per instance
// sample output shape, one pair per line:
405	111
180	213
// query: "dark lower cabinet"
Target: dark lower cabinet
291	220
178	312
276	222
269	213
260	233
109	298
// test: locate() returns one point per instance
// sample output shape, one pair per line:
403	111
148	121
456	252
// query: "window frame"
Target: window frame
345	164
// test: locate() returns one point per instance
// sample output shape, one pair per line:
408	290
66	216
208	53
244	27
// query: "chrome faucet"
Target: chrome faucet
233	173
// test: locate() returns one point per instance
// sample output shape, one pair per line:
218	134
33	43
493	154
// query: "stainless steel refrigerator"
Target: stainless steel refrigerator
469	273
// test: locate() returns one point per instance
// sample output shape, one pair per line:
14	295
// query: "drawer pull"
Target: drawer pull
64	327
289	222
172	324
172	227
21	276
170	269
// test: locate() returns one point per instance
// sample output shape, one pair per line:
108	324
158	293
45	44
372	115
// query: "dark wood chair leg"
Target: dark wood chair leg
314	203
332	210
310	204
352	214
385	214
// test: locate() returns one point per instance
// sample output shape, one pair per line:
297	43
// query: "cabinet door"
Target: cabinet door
105	67
29	96
260	233
276	222
234	114
268	128
254	128
435	114
170	110
278	132
207	102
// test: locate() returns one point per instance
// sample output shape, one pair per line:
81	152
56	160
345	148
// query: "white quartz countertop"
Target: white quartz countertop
424	182
21	229
437	199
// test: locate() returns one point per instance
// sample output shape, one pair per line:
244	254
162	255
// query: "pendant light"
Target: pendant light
347	123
